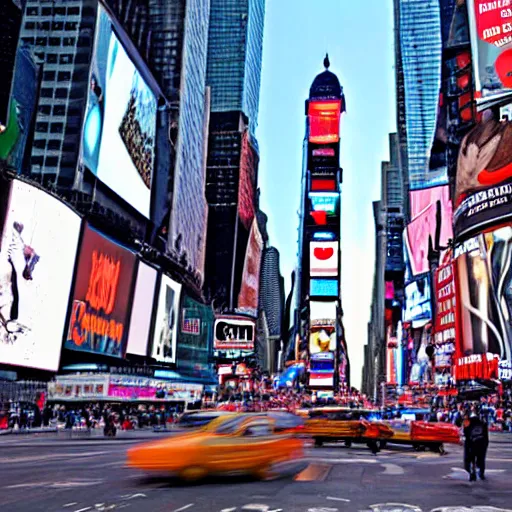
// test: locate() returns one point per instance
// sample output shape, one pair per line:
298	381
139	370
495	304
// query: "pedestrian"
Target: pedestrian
476	435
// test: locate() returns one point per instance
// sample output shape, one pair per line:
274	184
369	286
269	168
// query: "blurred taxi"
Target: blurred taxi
233	444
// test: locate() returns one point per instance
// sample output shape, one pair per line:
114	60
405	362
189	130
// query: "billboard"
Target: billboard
166	321
323	259
322	313
418	309
428	208
484	282
324	121
232	333
322	325
445	327
38	247
142	309
483	192
249	291
491	43
118	138
327	202
102	294
323	288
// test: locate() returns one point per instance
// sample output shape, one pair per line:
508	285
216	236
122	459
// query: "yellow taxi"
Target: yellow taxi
233	444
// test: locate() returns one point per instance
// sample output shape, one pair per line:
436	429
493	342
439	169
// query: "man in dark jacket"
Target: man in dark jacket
476	436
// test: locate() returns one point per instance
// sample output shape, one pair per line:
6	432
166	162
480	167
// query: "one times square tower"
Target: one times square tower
318	317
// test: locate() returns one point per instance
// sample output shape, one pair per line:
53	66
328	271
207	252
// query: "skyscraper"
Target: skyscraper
235	44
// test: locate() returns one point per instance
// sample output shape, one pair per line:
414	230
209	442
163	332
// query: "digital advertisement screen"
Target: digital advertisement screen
484	280
445	327
323	259
323	287
118	140
249	291
142	308
38	250
167	321
322	314
490	27
324	121
428	207
323	185
101	296
322	339
417	302
325	202
483	191
233	333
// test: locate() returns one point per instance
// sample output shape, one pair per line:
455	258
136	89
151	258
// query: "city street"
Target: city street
82	475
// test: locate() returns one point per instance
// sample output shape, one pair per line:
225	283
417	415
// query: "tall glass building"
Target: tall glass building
421	54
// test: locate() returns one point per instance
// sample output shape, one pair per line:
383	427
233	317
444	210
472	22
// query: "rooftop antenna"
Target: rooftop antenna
327	62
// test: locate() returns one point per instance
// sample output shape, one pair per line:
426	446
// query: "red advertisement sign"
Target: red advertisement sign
101	296
445	326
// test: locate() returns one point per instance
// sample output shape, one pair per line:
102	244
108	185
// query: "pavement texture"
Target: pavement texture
85	475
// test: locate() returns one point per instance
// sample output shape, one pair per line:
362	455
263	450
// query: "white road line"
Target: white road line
342	461
72	504
228	509
84	509
392	469
332	498
186	507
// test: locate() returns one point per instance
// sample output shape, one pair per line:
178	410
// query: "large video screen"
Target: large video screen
324	121
232	333
142	308
101	296
322	313
118	140
323	259
484	281
490	27
166	321
323	288
418	308
37	257
428	207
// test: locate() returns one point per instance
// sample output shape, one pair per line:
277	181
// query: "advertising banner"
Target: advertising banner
118	140
322	314
323	259
101	296
327	202
445	327
234	333
323	288
491	43
322	339
418	308
324	121
484	280
38	247
166	321
142	309
249	291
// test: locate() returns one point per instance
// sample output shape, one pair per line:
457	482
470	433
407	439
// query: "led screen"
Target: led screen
322	339
166	321
324	121
324	202
484	281
490	27
427	208
322	314
323	185
249	291
323	288
417	302
324	235
118	141
37	256
101	296
140	322
323	259
233	333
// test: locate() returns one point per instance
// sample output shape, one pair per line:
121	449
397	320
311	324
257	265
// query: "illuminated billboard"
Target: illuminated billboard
418	309
324	121
142	308
484	282
445	326
118	139
38	247
323	185
234	333
323	287
323	259
483	192
322	339
490	26
166	321
322	314
325	202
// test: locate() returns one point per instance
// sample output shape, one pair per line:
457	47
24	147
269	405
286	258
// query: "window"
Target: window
51	58
71	25
30	25
59	110
52	161
44	109
61	93
46	11
66	58
74	11
60	11
36	160
41	127
46	93
58	25
28	40
41	41
69	41
33	11
43	25
57	128
49	75
64	76
40	143
54	41
54	145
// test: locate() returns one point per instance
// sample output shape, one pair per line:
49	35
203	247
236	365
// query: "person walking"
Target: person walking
476	435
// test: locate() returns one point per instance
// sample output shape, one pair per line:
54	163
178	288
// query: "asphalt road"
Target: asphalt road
82	475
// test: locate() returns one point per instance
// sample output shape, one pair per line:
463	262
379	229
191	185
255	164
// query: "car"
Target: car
232	444
198	419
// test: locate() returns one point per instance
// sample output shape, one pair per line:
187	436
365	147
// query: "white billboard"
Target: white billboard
323	259
38	249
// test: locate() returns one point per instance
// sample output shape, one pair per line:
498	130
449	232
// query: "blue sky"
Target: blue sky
358	35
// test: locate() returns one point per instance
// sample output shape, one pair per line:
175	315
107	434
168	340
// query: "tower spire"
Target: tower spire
327	62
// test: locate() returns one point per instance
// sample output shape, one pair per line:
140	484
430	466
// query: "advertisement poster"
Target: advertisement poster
167	321
322	339
142	309
491	43
324	121
323	259
101	296
445	327
322	314
118	140
483	192
38	250
249	292
323	288
485	293
233	333
418	308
